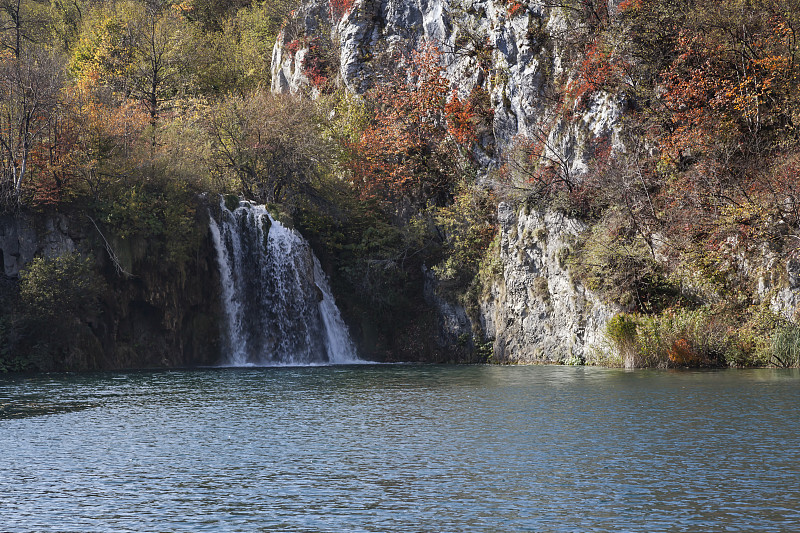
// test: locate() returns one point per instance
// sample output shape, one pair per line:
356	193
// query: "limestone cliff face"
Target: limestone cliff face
536	312
517	59
518	55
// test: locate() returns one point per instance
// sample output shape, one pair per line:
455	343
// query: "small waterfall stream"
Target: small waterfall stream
278	304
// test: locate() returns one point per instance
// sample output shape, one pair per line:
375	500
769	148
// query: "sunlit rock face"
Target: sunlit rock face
536	311
522	60
518	60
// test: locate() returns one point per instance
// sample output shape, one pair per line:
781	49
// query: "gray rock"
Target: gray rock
454	327
523	51
536	312
23	237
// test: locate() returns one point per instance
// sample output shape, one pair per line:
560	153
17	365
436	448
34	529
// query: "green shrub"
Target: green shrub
469	227
491	266
52	288
57	297
621	331
685	338
676	338
160	215
616	263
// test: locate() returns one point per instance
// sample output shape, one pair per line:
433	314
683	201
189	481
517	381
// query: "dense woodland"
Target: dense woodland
122	113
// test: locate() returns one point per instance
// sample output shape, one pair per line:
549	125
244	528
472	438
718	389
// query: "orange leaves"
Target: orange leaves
101	122
411	151
184	8
681	353
460	120
599	70
86	132
728	92
54	160
730	101
629	5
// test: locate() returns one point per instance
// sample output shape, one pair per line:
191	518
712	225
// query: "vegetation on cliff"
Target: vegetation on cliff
120	113
695	210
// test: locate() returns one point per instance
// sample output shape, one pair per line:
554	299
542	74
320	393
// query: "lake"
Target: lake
384	448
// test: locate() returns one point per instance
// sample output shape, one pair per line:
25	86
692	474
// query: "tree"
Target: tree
30	80
270	147
135	50
156	73
103	136
419	143
21	23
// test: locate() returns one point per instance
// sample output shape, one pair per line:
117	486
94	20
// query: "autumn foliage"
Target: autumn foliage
599	70
516	8
421	135
340	8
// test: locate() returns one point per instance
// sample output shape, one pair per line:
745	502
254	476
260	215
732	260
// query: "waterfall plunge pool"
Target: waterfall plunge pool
383	448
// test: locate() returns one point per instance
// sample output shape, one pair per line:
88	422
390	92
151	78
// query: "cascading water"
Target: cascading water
278	305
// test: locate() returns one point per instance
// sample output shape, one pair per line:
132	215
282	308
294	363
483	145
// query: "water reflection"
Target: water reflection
27	408
402	448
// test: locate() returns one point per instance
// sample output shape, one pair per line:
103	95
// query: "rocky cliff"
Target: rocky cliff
522	56
536	311
515	54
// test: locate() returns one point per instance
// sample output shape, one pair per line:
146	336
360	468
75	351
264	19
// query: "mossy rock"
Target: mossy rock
231	202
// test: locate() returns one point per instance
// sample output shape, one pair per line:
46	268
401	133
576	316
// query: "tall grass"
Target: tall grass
785	346
674	338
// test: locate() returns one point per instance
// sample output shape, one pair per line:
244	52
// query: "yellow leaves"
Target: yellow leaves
184	8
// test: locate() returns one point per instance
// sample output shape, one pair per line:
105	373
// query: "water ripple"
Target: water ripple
401	448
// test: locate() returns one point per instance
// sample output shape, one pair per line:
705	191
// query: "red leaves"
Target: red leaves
293	46
599	70
340	8
743	83
409	153
316	67
460	120
516	8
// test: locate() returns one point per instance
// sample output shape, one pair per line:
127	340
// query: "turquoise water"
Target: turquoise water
401	448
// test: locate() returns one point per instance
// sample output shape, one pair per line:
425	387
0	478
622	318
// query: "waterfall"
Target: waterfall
278	305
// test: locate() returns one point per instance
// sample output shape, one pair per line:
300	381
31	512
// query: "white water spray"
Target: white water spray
278	305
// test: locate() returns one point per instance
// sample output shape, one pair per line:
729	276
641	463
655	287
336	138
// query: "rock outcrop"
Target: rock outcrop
516	58
161	315
25	236
536	312
519	55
